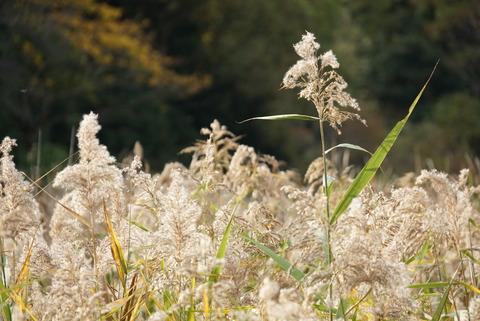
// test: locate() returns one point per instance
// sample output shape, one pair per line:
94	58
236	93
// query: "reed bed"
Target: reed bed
234	236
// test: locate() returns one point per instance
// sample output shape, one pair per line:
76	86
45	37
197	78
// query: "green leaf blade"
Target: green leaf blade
140	226
369	170
284	264
222	250
438	311
282	117
7	314
349	146
431	285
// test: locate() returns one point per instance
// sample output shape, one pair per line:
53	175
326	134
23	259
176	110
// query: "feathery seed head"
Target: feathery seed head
90	148
7	145
323	87
329	59
307	47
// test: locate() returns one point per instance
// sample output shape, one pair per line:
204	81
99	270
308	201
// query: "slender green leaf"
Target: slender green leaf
282	117
324	239
429	285
369	170
284	264
469	286
19	301
168	300
3	301
350	146
423	251
354	317
470	255
116	248
421	254
426	295
115	306
221	251
329	184
19	286
438	311
410	260
343	308
473	222
140	226
191	312
443	284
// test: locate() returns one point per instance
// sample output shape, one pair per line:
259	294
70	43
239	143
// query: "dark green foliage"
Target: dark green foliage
385	48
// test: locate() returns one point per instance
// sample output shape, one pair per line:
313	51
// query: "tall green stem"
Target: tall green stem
327	206
325	189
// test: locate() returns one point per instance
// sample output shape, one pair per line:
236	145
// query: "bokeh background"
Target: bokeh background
156	71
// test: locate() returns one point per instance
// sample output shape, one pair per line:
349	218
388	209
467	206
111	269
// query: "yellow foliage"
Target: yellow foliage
32	53
98	31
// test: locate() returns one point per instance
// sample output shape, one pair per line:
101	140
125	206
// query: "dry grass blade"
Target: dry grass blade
358	302
129	304
141	299
116	305
127	309
21	283
78	216
206	304
35	183
116	248
19	301
24	274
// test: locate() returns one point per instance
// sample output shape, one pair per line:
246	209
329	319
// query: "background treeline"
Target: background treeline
156	71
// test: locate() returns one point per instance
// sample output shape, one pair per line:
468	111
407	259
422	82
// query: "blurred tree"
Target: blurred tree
246	46
400	42
455	27
63	58
159	70
458	118
400	57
